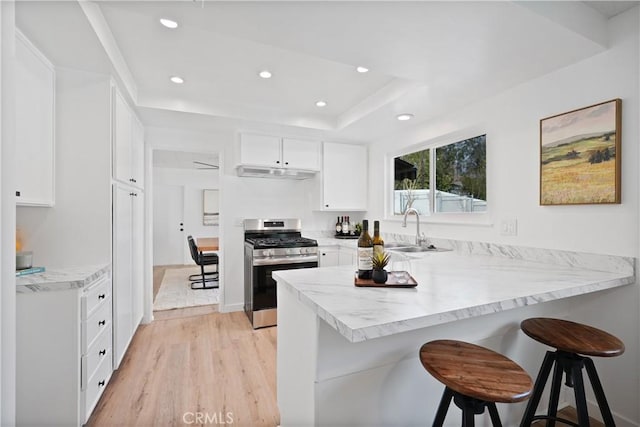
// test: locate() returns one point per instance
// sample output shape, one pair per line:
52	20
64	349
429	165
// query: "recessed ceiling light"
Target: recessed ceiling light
265	74
362	69
169	23
405	116
177	79
321	104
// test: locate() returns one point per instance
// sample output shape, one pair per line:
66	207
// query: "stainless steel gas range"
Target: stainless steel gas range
271	245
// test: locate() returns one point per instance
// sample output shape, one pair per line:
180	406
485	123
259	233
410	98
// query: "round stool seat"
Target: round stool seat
572	337
476	371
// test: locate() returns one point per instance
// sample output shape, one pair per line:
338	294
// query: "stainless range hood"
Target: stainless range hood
269	172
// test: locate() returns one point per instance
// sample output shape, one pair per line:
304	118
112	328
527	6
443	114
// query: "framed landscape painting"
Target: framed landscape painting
580	156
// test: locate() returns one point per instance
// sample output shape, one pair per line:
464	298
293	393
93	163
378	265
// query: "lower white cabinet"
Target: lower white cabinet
63	352
330	256
128	237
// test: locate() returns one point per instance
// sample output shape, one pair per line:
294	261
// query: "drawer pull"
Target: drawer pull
101	383
102	352
102	323
101	296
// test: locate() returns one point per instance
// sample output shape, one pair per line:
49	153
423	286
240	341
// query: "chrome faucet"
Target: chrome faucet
420	239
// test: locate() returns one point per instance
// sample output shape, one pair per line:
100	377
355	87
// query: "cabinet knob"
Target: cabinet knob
131	180
323	254
286	163
278	161
17	194
102	323
182	229
326	206
131	194
102	352
101	296
101	383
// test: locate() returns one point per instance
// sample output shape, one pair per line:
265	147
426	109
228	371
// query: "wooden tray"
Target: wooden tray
393	281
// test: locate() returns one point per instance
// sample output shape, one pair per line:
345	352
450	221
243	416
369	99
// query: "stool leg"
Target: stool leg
578	391
538	388
495	418
599	392
443	407
554	396
468	417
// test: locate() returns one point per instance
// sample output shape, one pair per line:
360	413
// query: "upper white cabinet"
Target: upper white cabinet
35	130
277	152
301	154
128	143
344	177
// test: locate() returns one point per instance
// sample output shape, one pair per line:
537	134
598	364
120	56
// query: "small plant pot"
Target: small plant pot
379	276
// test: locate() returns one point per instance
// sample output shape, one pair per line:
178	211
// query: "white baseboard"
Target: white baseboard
594	412
228	308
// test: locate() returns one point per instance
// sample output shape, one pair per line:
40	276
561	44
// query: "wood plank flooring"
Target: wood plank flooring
175	370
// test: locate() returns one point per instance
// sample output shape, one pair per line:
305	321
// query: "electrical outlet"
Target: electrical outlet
509	227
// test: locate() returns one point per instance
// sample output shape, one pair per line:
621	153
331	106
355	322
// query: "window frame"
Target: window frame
473	218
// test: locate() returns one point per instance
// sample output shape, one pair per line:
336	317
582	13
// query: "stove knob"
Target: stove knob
266	252
290	251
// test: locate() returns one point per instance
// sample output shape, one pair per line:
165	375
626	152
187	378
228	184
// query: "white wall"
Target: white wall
193	182
511	122
7	217
77	230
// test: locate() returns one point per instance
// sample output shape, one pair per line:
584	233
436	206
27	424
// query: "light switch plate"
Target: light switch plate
509	227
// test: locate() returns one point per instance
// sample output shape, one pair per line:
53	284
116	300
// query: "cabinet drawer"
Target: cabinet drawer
96	295
99	321
99	350
96	385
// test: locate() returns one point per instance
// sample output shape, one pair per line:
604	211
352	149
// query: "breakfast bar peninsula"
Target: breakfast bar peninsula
349	355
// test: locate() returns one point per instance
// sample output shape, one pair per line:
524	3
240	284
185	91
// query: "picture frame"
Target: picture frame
210	207
580	156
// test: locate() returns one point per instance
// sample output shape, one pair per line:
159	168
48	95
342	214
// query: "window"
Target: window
457	172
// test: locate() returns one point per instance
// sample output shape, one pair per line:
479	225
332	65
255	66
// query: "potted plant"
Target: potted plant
379	261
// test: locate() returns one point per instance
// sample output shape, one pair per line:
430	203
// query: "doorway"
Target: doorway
185	185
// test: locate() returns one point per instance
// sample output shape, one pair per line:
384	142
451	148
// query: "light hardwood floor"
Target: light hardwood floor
175	369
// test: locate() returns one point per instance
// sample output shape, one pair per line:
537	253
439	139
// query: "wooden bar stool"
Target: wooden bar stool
475	377
571	340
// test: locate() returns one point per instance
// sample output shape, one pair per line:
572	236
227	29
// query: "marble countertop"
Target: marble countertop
57	279
451	286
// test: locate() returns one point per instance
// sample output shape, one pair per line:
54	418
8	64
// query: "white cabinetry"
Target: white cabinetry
347	256
328	256
277	152
344	177
64	353
331	256
128	233
128	143
35	147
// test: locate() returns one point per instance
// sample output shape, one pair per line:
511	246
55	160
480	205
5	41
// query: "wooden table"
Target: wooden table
207	244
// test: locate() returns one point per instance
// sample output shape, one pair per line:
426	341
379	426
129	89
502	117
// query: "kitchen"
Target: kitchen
602	66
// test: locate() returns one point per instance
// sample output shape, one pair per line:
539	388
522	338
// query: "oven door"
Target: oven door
264	285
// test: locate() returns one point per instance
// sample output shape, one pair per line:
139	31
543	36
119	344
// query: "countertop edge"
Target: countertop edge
59	279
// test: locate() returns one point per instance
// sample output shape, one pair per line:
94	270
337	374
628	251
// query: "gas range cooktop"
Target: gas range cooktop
281	242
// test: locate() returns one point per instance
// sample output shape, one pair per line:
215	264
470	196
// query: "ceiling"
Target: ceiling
425	58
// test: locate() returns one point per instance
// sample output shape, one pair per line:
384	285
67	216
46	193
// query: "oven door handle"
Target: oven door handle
285	260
